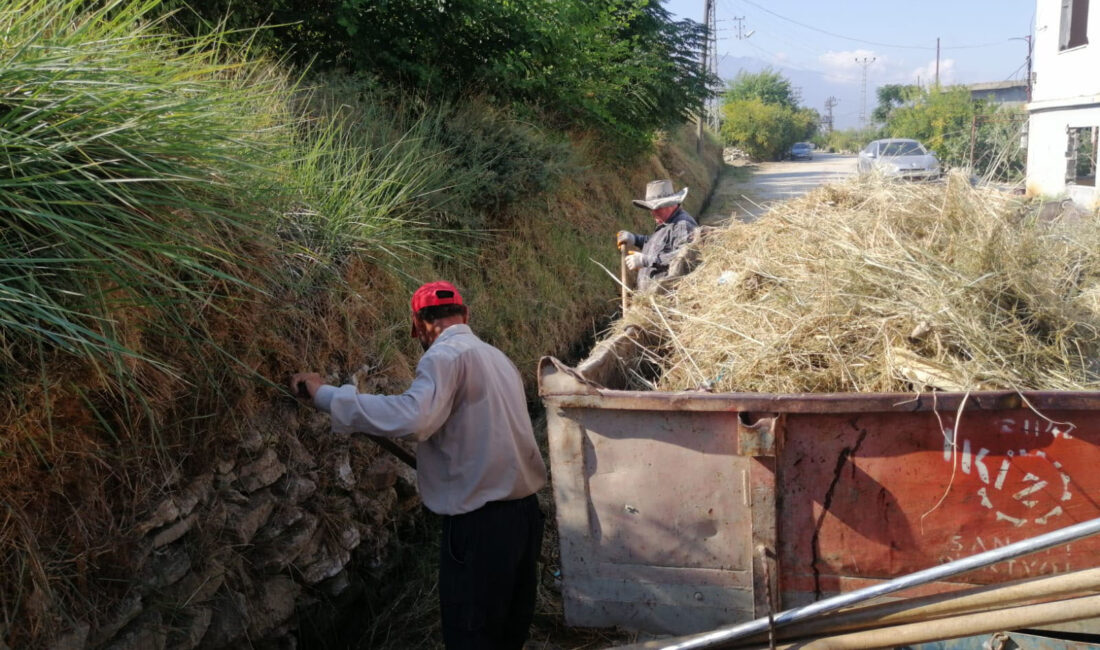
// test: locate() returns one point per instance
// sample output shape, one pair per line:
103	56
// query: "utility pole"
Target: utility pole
796	94
713	107
937	62
708	19
712	110
865	62
1026	39
829	104
741	33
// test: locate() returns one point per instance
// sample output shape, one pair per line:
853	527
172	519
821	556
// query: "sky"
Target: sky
816	43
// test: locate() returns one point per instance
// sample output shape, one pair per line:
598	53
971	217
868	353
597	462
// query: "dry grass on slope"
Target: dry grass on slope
873	286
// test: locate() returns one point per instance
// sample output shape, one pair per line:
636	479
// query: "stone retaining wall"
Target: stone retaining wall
227	558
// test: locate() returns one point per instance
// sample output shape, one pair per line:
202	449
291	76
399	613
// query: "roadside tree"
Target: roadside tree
767	85
849	141
766	131
622	67
890	97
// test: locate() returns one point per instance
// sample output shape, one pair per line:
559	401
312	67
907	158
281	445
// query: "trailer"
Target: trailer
683	512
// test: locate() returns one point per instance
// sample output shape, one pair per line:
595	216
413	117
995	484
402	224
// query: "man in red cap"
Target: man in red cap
477	465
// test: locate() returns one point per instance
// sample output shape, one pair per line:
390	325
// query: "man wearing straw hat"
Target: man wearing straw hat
674	229
477	465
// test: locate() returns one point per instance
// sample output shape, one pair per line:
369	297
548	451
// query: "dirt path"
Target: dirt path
746	192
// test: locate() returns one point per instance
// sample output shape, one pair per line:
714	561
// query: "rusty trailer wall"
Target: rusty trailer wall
673	508
641	546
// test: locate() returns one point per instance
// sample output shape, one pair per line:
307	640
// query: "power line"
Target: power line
775	30
1016	72
778	32
788	66
866	42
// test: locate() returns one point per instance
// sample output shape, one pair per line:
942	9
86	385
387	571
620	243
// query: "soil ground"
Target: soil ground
746	191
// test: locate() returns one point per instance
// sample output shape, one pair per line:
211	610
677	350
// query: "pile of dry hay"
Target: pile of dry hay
873	286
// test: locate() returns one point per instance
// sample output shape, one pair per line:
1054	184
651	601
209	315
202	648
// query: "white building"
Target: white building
1065	102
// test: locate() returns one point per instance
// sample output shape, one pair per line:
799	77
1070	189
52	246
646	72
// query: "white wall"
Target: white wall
1046	154
1065	94
1068	75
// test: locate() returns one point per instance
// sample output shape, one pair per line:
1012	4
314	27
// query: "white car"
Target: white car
898	158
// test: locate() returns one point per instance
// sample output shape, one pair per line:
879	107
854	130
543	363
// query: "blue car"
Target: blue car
802	151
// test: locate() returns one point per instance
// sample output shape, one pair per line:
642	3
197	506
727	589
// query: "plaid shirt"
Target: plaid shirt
660	248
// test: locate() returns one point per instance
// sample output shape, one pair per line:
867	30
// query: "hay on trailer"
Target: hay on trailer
876	286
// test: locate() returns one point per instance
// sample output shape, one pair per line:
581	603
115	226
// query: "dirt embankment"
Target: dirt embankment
254	515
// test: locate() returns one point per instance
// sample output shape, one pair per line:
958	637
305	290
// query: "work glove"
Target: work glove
624	238
635	261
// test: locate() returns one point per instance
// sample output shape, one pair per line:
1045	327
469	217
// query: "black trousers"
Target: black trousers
488	574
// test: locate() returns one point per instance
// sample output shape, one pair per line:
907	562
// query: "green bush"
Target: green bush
765	131
503	159
761	116
620	67
477	158
978	135
849	140
769	86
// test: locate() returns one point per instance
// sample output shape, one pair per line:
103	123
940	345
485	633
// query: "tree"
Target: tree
622	64
890	96
766	131
769	86
623	67
761	116
940	118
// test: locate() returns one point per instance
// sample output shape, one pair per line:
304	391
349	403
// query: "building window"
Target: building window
1081	155
1075	19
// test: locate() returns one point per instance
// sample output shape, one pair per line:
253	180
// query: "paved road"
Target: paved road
746	192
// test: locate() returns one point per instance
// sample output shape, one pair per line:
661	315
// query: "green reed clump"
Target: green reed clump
348	194
122	145
142	167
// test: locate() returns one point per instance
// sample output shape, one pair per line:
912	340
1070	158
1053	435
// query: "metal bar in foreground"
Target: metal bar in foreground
1011	551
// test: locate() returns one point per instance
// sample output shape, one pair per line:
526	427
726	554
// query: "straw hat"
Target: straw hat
658	194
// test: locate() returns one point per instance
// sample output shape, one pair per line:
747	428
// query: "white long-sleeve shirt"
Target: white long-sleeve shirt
467	410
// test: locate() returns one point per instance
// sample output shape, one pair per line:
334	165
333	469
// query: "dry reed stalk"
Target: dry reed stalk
879	286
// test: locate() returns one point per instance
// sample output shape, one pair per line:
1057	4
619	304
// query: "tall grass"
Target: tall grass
153	190
350	195
478	159
140	168
120	147
158	195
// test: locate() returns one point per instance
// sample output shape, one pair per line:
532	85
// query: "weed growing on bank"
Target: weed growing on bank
176	213
185	224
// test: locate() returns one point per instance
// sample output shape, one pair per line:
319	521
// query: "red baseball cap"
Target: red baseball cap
433	294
